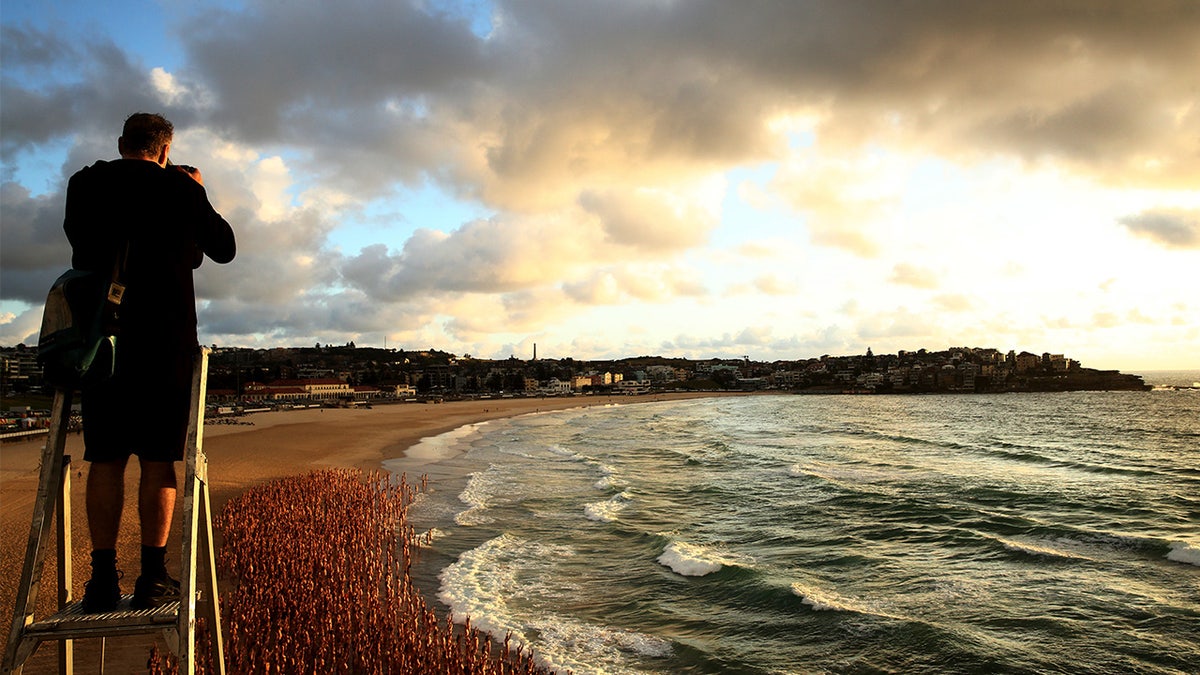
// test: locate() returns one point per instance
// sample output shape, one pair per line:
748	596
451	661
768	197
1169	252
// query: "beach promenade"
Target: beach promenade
276	445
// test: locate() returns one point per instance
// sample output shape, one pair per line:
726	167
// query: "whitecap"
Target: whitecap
822	600
607	511
691	560
1059	547
1184	553
608	479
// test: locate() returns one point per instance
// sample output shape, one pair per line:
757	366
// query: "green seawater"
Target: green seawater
1018	533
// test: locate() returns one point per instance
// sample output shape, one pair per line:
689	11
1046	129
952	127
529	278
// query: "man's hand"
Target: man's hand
191	171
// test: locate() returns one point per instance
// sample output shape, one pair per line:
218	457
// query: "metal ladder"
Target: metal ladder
177	620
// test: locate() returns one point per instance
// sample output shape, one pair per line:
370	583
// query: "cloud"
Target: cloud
1171	228
762	343
495	255
625	91
63	89
894	324
586	135
631	282
912	275
33	247
21	328
646	221
757	249
953	302
771	284
1106	320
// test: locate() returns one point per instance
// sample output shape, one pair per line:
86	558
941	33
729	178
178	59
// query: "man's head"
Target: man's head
146	136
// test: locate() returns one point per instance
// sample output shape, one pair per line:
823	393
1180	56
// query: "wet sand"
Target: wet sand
275	445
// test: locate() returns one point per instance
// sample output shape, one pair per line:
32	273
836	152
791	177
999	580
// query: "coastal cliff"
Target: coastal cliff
1084	379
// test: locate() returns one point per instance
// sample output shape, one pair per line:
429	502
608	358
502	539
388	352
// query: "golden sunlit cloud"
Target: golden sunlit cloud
912	275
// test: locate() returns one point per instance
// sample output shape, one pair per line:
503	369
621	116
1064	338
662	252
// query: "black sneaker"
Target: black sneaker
152	592
102	592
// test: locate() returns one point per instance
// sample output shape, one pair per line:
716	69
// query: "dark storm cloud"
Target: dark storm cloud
33	249
276	60
53	88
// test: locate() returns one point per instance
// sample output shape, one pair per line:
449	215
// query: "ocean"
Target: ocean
1009	533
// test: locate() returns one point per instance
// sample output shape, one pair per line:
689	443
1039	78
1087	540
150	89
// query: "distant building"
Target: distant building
1026	362
317	388
631	387
556	387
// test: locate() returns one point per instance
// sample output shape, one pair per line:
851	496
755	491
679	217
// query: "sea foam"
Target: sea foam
566	452
426	539
1059	547
1184	553
823	600
486	581
569	644
608	479
434	448
607	511
481	490
507	586
691	560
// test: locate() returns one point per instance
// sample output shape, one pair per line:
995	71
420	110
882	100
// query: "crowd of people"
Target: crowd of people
318	568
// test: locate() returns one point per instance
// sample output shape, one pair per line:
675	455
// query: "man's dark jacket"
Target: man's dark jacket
169	225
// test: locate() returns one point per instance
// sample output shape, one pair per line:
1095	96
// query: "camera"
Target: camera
182	167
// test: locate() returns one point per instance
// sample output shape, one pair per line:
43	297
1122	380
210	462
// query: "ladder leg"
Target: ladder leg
187	585
212	603
49	481
196	474
66	648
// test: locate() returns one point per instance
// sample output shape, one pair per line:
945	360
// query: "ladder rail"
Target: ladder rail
66	648
49	481
196	500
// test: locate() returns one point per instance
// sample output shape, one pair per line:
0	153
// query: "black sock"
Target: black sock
104	560
154	561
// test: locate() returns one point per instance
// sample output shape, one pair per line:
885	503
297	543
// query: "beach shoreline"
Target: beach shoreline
271	445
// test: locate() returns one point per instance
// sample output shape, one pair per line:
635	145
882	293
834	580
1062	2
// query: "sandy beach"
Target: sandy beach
269	446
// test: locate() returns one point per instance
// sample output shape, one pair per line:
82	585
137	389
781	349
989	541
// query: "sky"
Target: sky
612	178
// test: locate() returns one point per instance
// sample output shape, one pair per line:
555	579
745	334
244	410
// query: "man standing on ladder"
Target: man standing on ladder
154	222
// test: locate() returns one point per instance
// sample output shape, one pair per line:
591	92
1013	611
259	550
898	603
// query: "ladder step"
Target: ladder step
72	622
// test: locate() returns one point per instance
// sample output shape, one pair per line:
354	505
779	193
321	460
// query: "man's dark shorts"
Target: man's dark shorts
142	410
